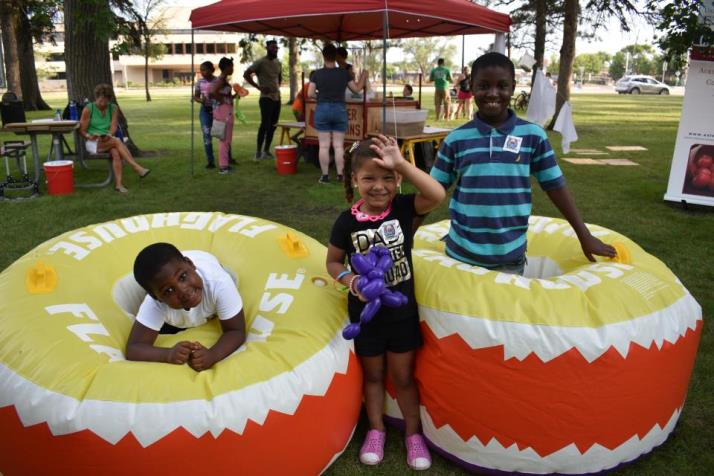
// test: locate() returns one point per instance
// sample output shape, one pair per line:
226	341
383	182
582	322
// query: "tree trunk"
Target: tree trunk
540	32
87	54
293	56
8	21
147	45
31	98
567	56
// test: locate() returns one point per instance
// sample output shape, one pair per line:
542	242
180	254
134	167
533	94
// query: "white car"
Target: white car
640	85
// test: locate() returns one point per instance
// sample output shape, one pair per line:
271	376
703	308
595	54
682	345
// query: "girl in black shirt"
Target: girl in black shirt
389	341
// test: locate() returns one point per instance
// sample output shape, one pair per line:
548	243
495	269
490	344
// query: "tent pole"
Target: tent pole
463	51
304	97
385	27
419	103
193	115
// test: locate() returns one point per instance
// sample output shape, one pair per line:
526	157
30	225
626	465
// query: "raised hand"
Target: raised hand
387	150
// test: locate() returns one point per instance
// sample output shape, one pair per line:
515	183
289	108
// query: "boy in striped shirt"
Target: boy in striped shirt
491	158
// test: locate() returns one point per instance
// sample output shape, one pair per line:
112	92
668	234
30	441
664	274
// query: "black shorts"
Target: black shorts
376	338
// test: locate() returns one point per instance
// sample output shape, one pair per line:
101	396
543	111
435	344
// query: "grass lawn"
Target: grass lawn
626	199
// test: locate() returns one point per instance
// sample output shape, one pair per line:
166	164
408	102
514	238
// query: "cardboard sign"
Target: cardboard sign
356	129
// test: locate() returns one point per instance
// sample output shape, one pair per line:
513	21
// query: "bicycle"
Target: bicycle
520	102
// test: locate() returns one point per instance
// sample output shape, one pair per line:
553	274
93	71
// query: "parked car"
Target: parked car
640	85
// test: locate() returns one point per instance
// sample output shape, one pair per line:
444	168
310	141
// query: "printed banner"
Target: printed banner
691	176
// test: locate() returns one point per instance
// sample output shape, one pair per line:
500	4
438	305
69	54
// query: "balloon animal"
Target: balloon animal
371	269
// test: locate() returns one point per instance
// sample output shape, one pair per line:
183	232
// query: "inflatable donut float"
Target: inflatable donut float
286	402
573	368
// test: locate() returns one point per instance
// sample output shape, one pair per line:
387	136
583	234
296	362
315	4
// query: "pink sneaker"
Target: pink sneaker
372	450
418	456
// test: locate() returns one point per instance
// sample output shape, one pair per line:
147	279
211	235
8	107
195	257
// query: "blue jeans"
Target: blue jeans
331	117
206	119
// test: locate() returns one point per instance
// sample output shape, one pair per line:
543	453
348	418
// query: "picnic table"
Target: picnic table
56	129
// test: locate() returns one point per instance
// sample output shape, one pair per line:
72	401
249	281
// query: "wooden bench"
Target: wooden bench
285	128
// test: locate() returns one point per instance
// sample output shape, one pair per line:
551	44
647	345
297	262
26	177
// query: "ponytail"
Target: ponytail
355	156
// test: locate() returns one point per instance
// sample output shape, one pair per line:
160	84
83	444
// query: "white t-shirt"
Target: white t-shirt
220	297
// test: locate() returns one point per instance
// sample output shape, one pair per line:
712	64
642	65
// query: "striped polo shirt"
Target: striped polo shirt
490	206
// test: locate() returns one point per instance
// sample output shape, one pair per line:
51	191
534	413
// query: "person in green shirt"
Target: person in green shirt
441	77
98	126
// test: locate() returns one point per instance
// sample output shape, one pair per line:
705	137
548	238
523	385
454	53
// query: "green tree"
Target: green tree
679	25
285	65
372	58
668	67
533	21
597	12
293	67
9	14
617	66
421	53
591	63
88	26
34	24
252	47
567	56
634	59
554	64
148	22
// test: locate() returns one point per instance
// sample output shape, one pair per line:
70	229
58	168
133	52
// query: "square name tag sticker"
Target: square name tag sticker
512	144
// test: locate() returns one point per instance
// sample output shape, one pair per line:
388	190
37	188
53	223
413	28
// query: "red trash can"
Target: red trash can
286	159
60	177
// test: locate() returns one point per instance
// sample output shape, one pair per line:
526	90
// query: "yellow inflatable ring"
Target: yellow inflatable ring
286	402
574	368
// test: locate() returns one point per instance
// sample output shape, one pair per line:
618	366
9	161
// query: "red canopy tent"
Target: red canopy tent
346	20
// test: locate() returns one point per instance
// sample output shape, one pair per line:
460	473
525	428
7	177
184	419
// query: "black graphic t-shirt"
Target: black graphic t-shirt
394	232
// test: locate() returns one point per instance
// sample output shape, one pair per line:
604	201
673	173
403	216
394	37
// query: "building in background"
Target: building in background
128	70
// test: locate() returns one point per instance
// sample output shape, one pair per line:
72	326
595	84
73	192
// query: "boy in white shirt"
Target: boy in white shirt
184	290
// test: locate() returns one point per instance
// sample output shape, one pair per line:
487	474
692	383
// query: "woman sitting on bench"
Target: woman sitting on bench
98	126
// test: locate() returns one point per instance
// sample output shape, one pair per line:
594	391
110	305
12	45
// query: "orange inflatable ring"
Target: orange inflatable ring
574	368
286	402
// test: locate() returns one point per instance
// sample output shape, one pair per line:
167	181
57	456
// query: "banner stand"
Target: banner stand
691	176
